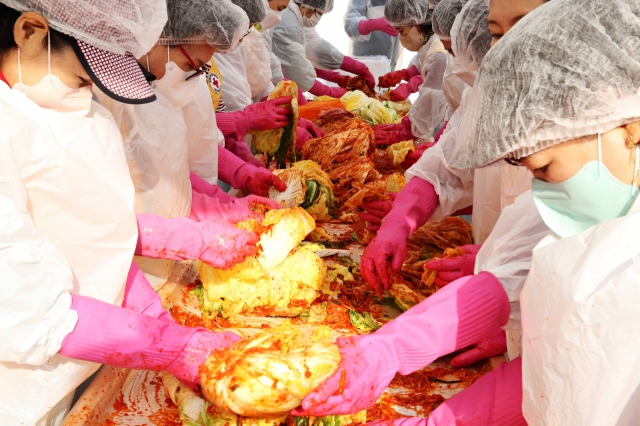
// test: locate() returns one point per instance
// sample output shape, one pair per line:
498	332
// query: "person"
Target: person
413	21
70	229
155	134
290	46
370	32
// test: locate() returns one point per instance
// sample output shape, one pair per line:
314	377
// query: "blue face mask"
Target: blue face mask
590	197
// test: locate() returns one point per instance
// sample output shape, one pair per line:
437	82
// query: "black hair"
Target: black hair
426	29
8	18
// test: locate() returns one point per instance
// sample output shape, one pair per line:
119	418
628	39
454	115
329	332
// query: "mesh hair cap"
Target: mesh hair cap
218	23
470	35
434	3
117	26
407	12
256	10
444	16
568	69
324	6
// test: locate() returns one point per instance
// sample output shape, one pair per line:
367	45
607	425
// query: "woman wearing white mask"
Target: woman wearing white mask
69	226
290	44
155	136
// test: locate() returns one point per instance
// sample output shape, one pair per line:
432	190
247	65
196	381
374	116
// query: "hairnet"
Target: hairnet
256	10
407	12
324	6
115	26
568	69
218	23
433	3
470	35
444	15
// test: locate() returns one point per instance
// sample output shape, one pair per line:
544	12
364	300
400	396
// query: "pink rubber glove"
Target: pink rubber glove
241	149
367	26
413	157
313	130
358	68
403	91
122	337
388	134
242	175
268	115
205	208
411	209
375	211
217	243
319	89
393	78
140	297
201	186
452	268
302	137
333	76
452	318
491	345
495	399
232	124
441	131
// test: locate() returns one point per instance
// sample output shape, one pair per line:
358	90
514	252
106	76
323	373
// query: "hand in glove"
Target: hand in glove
260	180
413	157
491	345
234	210
387	134
411	209
393	78
358	68
452	268
140	297
375	211
302	136
217	243
268	115
403	91
333	76
122	337
450	319
367	26
319	89
314	131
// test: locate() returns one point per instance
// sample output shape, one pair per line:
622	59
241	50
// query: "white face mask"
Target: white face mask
271	20
413	41
173	85
311	22
52	93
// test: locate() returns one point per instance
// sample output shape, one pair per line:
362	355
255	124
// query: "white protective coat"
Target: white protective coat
203	135
429	109
580	327
155	144
67	225
274	62
322	54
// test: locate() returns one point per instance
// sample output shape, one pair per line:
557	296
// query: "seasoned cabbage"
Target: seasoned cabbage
269	374
369	109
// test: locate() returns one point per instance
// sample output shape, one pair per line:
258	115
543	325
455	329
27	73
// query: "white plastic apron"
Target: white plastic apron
580	323
155	145
495	187
236	90
258	62
82	199
203	135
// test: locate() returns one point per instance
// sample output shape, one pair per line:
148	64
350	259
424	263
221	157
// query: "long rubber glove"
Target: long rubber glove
242	175
241	149
413	157
495	399
451	319
451	268
367	26
491	345
305	131
411	209
403	91
358	68
140	297
122	337
375	211
201	186
217	243
388	134
319	89
265	115
333	76
393	78
236	210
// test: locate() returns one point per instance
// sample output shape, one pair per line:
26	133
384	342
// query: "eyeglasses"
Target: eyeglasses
199	70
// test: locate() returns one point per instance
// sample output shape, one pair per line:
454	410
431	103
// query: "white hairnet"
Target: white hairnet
470	35
324	6
433	3
568	69
444	16
256	10
218	23
407	12
115	26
